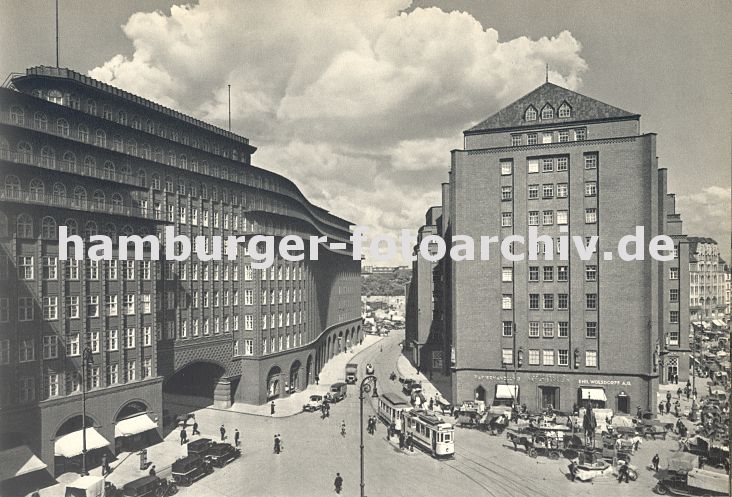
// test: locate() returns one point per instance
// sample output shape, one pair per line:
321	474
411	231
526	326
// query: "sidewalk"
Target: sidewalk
332	372
405	369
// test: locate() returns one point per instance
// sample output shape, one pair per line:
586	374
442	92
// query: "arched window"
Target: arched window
184	139
90	229
117	199
83	133
91	107
117	145
62	127
146	152
48	156
174	135
132	147
122	118
136	122
25	151
56	97
80	194
72	227
36	187
90	162
100	139
206	146
530	114
547	112
99	198
142	177
109	169
127	230
204	191
214	170
125	169
181	187
69	158
17	115
565	110
48	228
59	190
12	185
24	226
3	224
110	229
224	195
168	184
40	121
171	158
235	154
162	131
214	193
155	179
183	161
204	167
158	155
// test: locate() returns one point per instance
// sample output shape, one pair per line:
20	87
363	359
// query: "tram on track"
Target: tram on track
392	408
430	432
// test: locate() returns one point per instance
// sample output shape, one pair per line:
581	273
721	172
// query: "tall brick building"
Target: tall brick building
80	153
563	332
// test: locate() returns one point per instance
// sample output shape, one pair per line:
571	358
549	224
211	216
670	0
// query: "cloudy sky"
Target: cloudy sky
361	101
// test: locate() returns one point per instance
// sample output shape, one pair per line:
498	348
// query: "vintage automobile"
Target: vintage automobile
221	454
337	392
694	482
90	486
148	486
411	386
711	454
199	447
314	403
190	468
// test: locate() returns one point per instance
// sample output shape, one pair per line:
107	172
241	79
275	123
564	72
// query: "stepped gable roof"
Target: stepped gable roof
583	108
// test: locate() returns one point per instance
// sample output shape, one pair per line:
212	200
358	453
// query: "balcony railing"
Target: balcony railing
31	197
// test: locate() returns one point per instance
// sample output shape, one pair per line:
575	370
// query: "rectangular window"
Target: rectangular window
547	190
673	295
533	357
548	357
110	305
25	268
50	308
580	134
515	140
71	269
506	219
591	358
146	299
112	340
112	269
591	301
4	310
25	309
590	188
533	273
590	215
130	338
506	167
52	389
533	192
591	273
50	347
563	331
146	336
5	351
548	273
506	193
562	217
507	274
49	265
532	139
507	328
548	329
548	301
562	190
591	329
128	305
131	370
534	301
563	357
547	218
532	166
26	350
533	218
507	356
147	367
674	316
562	273
562	301
506	302
146	270
590	161
547	165
673	273
563	135
112	374
534	329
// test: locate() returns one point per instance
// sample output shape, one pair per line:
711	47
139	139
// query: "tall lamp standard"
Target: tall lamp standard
86	360
364	389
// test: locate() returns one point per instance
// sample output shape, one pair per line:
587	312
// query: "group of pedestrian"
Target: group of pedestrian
325	410
371	425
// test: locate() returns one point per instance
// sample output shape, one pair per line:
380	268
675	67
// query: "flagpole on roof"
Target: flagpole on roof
229	107
57	63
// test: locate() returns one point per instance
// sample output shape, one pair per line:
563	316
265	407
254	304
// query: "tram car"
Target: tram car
430	432
392	408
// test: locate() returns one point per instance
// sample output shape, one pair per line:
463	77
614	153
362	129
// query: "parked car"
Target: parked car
190	468
200	447
411	386
221	454
149	486
337	392
313	404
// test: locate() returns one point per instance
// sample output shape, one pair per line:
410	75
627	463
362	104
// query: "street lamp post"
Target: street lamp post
365	388
86	359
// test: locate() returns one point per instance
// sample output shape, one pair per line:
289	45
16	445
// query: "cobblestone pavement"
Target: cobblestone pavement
314	450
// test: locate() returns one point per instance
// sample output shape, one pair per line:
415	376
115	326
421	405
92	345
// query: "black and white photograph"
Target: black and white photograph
415	248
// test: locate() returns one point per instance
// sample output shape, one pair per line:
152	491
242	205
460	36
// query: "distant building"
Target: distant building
708	276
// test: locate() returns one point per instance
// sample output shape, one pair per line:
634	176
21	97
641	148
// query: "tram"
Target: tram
430	432
392	408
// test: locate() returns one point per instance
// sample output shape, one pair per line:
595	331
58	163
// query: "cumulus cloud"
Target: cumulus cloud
706	213
359	103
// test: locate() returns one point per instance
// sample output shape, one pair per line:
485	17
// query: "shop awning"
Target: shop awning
71	445
506	391
18	461
719	323
134	425
593	393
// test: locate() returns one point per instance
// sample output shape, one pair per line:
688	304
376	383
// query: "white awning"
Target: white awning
506	391
593	393
719	323
134	425
71	445
18	461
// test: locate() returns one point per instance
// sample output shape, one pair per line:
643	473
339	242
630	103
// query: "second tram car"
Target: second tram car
430	432
392	408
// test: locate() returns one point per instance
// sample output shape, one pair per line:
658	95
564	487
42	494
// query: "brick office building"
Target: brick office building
80	153
563	332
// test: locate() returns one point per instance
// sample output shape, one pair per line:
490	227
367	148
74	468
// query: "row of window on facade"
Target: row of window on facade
545	137
548	217
17	115
548	329
280	343
549	164
547	112
548	273
548	191
550	357
548	302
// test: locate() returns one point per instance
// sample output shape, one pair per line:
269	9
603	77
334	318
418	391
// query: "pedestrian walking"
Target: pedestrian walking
338	483
317	380
638	412
573	470
676	408
401	440
655	462
676	379
105	465
183	436
410	443
668	407
343	428
277	444
623	473
678	393
237	436
195	429
660	407
272	408
222	430
693	392
152	470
